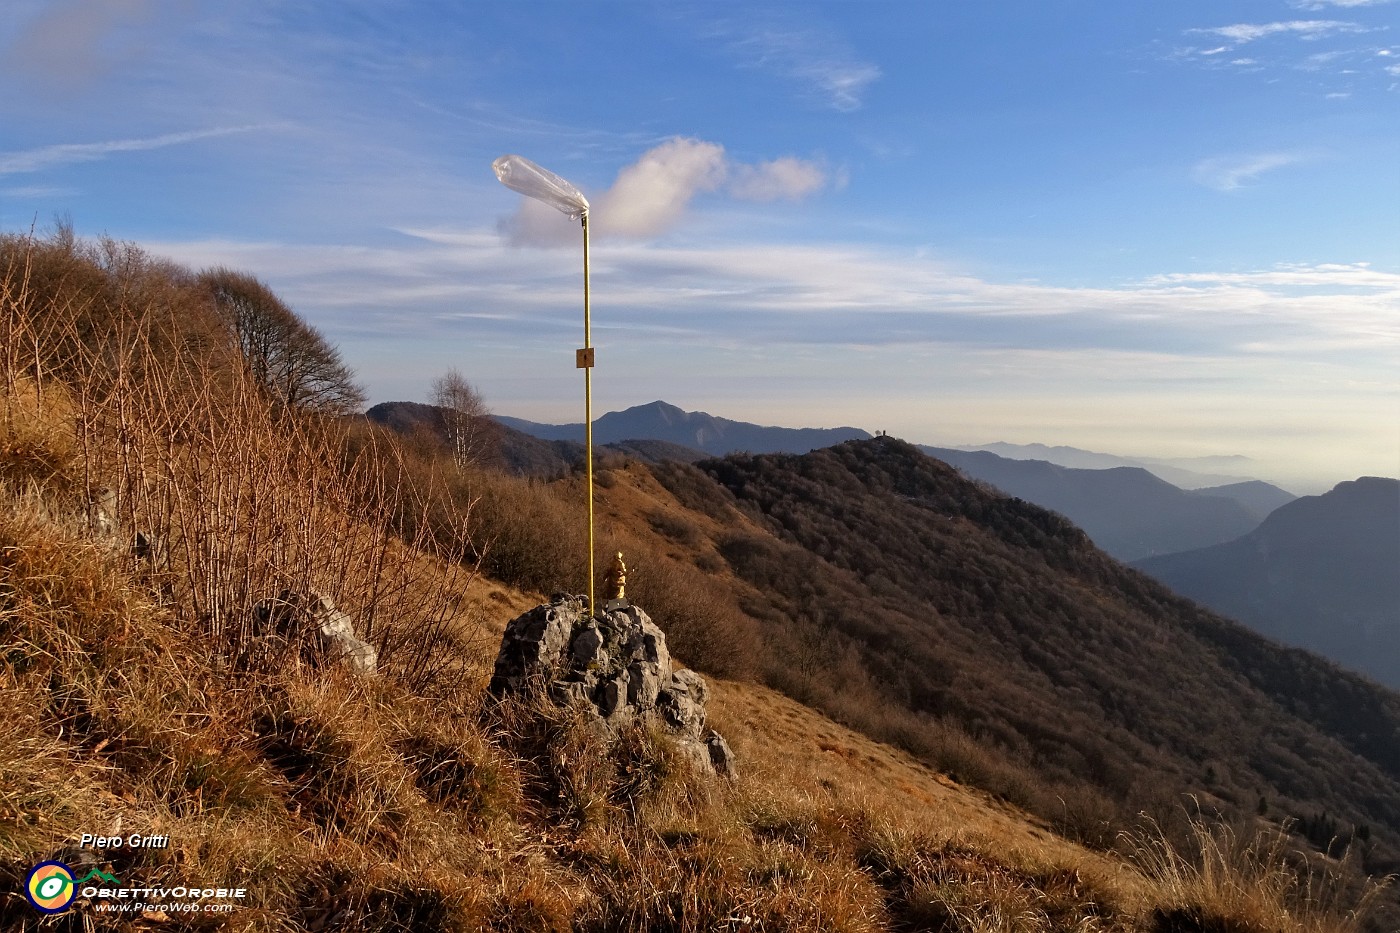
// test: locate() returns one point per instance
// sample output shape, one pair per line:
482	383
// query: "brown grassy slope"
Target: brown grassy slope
329	796
962	606
1155	715
334	797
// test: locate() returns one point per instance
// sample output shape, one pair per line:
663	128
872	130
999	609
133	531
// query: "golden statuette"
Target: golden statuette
616	579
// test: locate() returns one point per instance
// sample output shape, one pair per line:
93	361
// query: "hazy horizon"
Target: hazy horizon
1246	467
1144	232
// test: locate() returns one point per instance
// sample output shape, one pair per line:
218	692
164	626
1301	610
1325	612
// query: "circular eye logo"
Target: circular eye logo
50	887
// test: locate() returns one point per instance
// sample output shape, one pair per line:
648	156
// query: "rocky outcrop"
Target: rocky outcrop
311	624
616	668
102	511
149	549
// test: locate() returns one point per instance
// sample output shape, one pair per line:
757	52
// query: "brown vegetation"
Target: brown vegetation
989	637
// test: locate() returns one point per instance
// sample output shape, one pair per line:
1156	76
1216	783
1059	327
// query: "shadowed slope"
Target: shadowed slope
1322	572
926	594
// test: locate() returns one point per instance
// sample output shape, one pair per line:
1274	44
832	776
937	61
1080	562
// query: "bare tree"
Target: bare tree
465	416
289	358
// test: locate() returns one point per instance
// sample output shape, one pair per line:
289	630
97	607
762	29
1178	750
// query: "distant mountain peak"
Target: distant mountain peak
1129	511
666	410
662	421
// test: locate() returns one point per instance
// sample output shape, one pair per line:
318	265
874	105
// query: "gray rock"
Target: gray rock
532	649
643	685
697	754
722	756
588	647
612	701
682	703
312	620
615	666
102	511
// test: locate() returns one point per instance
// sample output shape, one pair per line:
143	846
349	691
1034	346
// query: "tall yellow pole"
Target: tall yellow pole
588	412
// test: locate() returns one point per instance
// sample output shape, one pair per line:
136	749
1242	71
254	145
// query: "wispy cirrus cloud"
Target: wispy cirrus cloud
1309	29
37	192
771	323
817	294
35	160
1274	45
1230	172
1312	5
800	52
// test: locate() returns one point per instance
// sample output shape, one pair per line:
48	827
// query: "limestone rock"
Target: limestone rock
313	620
722	756
533	645
102	511
616	667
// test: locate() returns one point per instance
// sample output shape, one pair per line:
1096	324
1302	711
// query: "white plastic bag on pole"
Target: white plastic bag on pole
520	174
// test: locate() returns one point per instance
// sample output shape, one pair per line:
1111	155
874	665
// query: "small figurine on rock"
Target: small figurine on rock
615	584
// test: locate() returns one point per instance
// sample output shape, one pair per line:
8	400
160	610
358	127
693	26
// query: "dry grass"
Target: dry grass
1230	880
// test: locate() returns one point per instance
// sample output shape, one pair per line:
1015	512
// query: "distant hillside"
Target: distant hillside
1185	472
1322	572
693	429
904	599
1126	510
1258	498
519	452
654	451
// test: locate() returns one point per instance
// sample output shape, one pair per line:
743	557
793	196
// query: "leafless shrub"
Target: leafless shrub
470	431
288	358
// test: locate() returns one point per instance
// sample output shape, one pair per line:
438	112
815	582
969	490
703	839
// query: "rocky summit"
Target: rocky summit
615	666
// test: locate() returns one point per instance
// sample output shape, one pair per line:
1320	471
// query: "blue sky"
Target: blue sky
1160	229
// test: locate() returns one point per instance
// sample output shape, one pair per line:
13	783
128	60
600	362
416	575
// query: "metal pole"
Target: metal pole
588	413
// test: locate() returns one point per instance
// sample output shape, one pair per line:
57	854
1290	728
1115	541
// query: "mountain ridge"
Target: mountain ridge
660	420
1184	472
1128	511
957	605
1321	572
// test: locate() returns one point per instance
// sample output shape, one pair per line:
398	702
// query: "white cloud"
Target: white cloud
787	178
1339	60
808	328
822	294
1324	4
650	196
1227	173
845	83
803	53
37	192
34	160
1241	33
